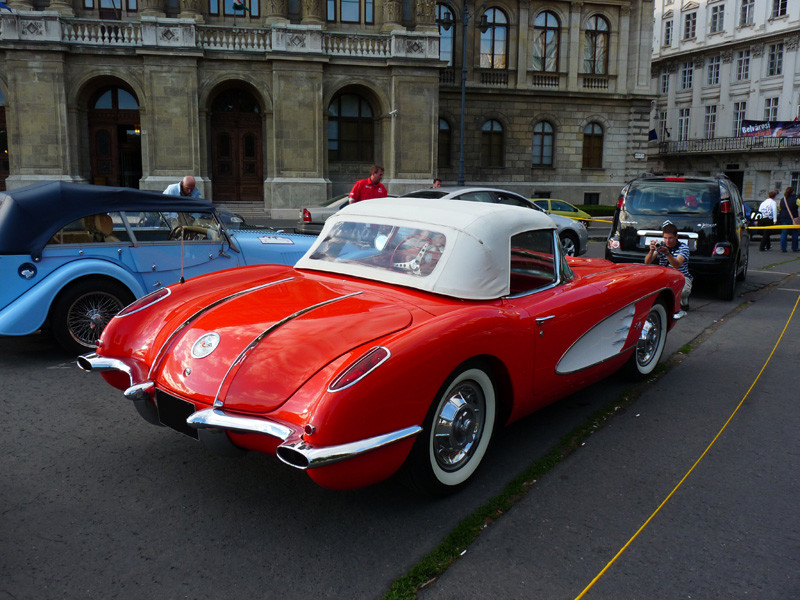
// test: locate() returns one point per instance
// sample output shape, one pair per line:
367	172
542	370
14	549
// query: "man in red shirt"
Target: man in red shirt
371	187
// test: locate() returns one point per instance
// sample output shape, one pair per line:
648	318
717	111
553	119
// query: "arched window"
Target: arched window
351	129
494	41
595	49
546	38
543	144
445	140
593	146
492	144
446	35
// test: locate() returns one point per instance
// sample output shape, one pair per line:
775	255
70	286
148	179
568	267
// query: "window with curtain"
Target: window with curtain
712	70
351	129
739	110
543	143
492	144
710	122
595	57
683	124
593	146
746	12
546	38
494	41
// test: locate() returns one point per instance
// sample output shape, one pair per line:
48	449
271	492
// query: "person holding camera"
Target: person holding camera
671	252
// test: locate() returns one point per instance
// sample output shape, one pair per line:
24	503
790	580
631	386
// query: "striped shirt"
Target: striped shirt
681	250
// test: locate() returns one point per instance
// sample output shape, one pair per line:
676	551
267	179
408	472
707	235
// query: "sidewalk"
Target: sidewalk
730	530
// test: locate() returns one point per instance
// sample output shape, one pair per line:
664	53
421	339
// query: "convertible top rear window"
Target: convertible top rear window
410	250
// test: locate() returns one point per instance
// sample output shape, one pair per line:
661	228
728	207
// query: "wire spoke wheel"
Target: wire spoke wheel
89	315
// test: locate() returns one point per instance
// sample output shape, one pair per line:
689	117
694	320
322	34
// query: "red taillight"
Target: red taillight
306	216
621	203
144	302
363	366
674	179
725	206
722	250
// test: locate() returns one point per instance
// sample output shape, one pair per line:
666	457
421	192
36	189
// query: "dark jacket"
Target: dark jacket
783	216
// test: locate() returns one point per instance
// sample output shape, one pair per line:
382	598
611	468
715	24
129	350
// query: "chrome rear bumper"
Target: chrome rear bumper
294	450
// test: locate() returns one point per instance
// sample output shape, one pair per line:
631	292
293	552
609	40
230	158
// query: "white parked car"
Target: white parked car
573	234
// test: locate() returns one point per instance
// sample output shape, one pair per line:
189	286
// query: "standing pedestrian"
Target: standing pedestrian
786	216
769	217
185	187
369	188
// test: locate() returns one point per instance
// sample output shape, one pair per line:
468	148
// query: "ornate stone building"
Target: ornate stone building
716	64
276	104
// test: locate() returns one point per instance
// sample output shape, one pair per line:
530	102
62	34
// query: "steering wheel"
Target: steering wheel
416	253
188	232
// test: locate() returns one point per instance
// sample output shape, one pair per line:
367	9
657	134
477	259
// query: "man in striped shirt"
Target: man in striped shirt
672	253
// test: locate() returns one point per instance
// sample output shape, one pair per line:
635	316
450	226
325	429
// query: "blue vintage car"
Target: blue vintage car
73	255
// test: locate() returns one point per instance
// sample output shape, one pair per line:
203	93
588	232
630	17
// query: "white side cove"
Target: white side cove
600	343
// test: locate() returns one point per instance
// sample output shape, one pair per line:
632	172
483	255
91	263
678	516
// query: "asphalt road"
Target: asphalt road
96	503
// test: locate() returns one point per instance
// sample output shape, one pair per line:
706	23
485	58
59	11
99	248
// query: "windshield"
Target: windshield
384	247
673	197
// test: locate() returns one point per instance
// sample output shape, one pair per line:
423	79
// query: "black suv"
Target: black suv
709	214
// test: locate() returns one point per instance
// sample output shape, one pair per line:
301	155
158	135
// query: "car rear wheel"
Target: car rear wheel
570	244
456	433
82	311
650	345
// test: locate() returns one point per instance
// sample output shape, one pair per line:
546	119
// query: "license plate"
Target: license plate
173	413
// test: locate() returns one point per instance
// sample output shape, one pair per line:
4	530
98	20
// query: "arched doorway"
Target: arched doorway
237	165
115	143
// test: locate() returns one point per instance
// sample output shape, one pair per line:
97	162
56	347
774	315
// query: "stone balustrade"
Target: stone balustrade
158	32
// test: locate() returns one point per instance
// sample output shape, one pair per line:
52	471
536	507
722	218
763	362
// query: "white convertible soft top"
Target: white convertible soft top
475	261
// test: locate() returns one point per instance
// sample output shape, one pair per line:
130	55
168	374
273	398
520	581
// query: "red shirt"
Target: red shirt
364	189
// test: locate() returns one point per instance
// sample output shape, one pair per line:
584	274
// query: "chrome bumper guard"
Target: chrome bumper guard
91	362
295	451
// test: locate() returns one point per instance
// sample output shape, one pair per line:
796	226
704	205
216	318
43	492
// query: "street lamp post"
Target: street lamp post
447	23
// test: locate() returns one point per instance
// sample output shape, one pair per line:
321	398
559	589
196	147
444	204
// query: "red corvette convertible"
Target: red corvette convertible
403	337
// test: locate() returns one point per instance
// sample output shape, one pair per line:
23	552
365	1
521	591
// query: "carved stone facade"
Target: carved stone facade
177	62
755	60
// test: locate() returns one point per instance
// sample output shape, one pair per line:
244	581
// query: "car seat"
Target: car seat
101	227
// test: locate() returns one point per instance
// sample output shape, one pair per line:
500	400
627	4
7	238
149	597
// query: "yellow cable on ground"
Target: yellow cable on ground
697	462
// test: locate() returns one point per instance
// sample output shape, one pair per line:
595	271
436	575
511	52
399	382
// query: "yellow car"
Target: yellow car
559	207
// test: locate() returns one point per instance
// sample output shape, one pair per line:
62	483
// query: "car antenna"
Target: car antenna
182	280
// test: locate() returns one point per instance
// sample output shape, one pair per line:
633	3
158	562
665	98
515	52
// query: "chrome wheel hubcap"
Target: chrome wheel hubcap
459	426
649	340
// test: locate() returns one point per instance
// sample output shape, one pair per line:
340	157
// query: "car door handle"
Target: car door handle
540	320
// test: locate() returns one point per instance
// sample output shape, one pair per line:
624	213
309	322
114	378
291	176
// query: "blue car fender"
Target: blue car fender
28	312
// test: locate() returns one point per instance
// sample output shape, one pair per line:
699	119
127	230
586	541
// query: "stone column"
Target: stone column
62	7
191	9
574	53
312	12
275	11
392	15
425	13
18	5
152	8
